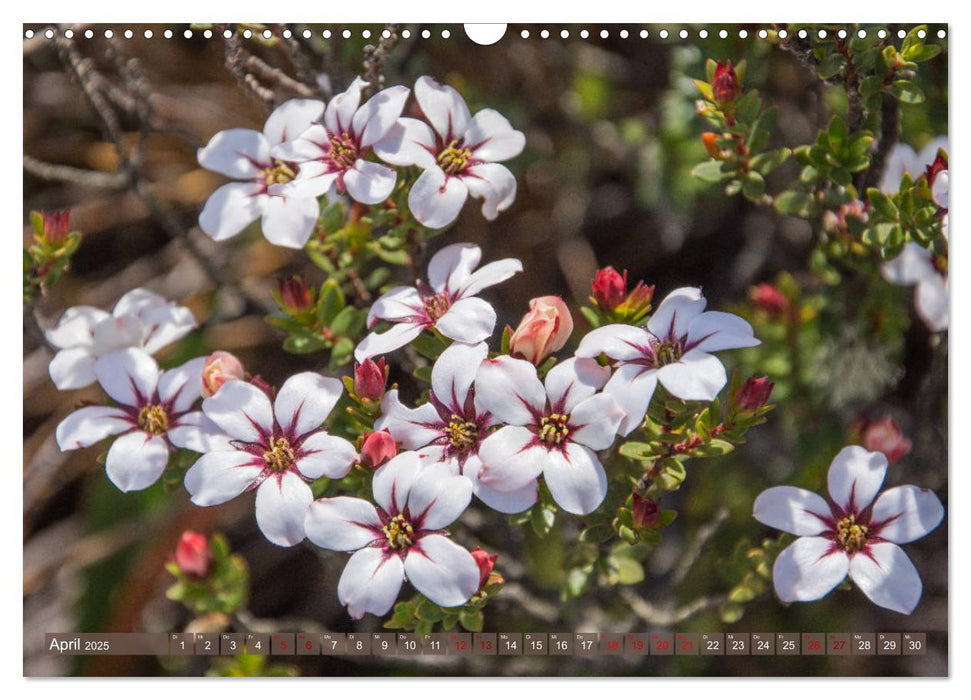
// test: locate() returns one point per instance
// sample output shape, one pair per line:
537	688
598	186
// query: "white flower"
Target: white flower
674	349
459	154
551	430
850	533
275	448
402	537
245	155
447	303
450	428
334	152
140	319
915	266
904	159
154	413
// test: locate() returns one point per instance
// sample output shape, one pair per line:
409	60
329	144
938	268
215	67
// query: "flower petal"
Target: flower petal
412	427
438	497
435	199
715	330
230	209
291	119
89	425
906	513
617	341
632	386
442	571
194	431
281	506
396	303
697	376
594	422
493	184
326	455
931	300
339	115
369	183
576	479
311	145
289	221
72	368
675	314
454	372
488	276
137	300
452	266
492	138
118	332
128	376
75	327
399	335
515	501
370	582
886	576
305	400
240	409
342	524
808	569
165	324
376	116
443	106
510	390
408	142
855	477
393	482
182	385
912	265
217	477
792	510
509	461
135	461
574	380
236	153
470	320
316	177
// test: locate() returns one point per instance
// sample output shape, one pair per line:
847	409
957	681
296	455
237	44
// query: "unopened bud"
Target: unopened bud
377	449
294	294
724	84
370	379
609	288
543	330
885	436
193	555
768	298
646	511
753	395
485	562
220	367
56	225
709	138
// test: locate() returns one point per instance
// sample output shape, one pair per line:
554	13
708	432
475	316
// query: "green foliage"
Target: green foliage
49	256
225	589
420	615
249	666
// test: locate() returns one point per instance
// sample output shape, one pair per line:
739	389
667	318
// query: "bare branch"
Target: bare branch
691	557
78	176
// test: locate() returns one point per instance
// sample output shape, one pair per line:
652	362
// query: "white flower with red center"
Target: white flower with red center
335	151
450	428
903	159
459	154
402	537
675	349
140	319
275	448
853	533
551	430
246	155
447	302
917	266
154	413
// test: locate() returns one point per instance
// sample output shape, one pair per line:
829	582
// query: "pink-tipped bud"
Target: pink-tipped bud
609	288
753	395
543	330
638	302
768	298
724	84
377	449
370	379
193	555
485	562
885	436
56	225
646	511
295	294
220	367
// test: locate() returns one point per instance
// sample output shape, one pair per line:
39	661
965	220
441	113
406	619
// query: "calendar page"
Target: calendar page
608	350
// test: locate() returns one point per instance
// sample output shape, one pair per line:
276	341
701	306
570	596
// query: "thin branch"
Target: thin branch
665	616
376	56
77	176
889	133
704	536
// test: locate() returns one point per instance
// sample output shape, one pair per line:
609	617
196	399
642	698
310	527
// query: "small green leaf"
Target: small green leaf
766	162
471	620
711	171
882	203
830	66
753	187
303	344
907	92
794	203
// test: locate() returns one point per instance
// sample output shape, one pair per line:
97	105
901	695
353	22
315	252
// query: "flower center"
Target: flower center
462	434
279	174
666	352
399	532
850	534
553	428
343	150
153	419
436	305
454	158
280	456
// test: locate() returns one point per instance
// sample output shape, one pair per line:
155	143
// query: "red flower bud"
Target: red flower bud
646	511
295	295
543	330
377	449
193	555
370	379
724	84
709	138
485	562
938	166
220	367
55	225
753	395
768	298
609	288
885	436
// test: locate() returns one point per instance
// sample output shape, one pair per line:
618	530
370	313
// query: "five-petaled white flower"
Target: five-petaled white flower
674	349
904	159
550	430
850	533
275	448
334	152
459	154
245	154
451	426
916	266
447	303
402	537
140	319
154	413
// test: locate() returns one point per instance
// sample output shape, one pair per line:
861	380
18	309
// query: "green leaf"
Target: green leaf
423	374
753	187
542	520
907	92
597	534
715	448
762	130
303	344
919	54
471	620
711	171
636	450
428	611
794	203
837	132
629	571
766	162
705	89
882	203
830	66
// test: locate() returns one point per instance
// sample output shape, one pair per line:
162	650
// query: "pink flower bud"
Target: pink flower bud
192	554
724	84
295	295
885	436
646	511
377	449
486	562
768	298
609	288
753	395
55	225
543	330
220	367
370	379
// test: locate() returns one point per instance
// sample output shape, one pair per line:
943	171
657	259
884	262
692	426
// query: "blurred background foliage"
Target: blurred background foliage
612	135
